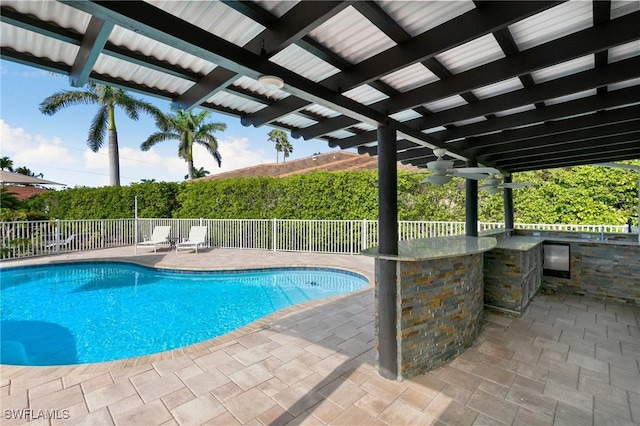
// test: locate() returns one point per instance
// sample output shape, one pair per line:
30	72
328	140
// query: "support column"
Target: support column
387	244
471	205
508	205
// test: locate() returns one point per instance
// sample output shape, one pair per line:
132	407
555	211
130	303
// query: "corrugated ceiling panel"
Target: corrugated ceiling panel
304	63
405	115
571	97
127	71
323	111
232	101
434	129
470	55
469	121
624	84
149	47
52	11
296	121
446	103
408	78
559	21
340	134
364	126
352	36
37	45
417	17
498	88
276	8
214	17
624	51
365	94
514	110
564	69
620	8
252	85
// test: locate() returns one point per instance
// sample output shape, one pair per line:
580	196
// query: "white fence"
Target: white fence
27	239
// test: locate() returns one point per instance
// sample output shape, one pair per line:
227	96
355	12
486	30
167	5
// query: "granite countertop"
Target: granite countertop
519	243
436	248
610	242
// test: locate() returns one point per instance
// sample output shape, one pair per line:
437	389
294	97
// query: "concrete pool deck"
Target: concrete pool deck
569	360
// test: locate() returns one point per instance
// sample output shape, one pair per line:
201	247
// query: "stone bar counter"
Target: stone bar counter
439	299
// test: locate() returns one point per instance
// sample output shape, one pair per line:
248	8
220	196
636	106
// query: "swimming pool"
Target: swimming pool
90	312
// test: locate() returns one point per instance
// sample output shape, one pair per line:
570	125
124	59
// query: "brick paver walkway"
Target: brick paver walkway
570	360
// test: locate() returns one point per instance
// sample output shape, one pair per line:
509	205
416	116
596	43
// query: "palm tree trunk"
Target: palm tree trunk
190	167
114	158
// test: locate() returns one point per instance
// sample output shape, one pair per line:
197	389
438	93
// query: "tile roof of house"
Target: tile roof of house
24	192
334	161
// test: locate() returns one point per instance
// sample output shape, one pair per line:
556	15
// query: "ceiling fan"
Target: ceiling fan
494	184
442	171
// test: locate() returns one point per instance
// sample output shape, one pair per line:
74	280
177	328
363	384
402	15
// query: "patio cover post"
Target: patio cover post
508	205
471	205
387	244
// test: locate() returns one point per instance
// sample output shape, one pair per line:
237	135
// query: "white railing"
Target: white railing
27	239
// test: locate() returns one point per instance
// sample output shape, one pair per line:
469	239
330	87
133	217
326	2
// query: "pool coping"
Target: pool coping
204	347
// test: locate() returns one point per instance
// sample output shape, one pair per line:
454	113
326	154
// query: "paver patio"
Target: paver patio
570	360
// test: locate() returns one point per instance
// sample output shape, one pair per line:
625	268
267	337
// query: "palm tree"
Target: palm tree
107	98
6	163
287	149
198	173
189	129
27	172
8	200
282	144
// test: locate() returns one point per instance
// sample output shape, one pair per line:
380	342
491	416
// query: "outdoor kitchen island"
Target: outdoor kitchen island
439	299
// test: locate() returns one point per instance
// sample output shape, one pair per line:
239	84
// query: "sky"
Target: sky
56	145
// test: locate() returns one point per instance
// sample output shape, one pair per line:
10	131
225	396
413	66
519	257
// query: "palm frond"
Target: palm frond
98	129
157	138
65	98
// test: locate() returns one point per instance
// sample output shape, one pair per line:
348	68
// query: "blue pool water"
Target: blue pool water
91	312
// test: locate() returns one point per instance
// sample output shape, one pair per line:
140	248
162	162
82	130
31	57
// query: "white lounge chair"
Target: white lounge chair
197	236
159	237
60	243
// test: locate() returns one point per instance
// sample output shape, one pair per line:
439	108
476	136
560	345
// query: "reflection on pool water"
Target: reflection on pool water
92	312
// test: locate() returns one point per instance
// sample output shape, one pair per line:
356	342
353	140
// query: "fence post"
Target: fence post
364	234
57	236
274	233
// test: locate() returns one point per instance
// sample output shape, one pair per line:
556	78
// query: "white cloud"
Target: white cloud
236	154
25	149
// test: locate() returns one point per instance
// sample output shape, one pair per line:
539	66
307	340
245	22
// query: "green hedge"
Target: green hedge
582	195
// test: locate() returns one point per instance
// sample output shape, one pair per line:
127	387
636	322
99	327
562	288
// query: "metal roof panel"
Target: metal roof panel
564	69
571	97
470	55
408	78
498	88
416	17
446	103
229	100
365	94
214	17
352	36
624	51
304	63
323	111
566	18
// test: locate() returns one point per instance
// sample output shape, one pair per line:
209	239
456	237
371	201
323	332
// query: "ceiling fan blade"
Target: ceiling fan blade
475	170
517	184
619	166
474	176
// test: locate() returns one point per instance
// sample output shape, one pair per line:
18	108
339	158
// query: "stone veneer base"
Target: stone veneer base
440	305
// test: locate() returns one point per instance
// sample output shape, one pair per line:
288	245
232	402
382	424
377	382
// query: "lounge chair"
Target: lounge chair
159	237
60	243
197	236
